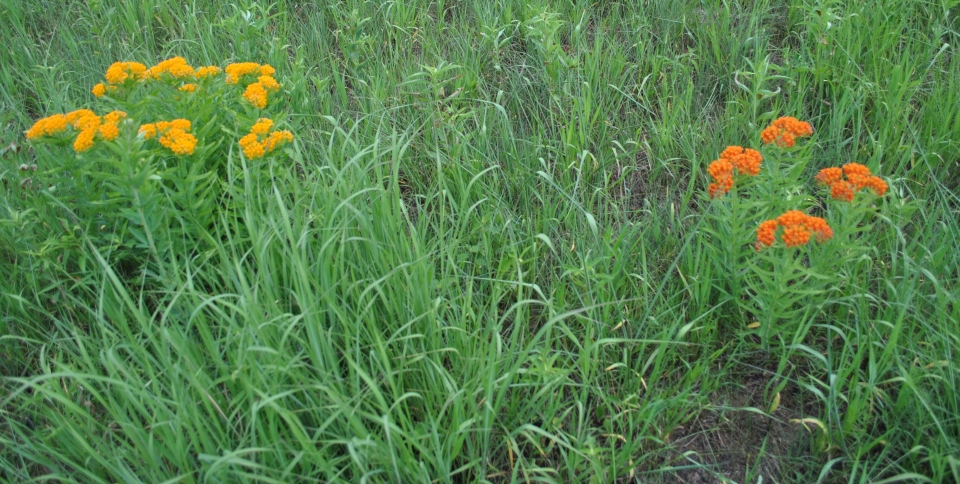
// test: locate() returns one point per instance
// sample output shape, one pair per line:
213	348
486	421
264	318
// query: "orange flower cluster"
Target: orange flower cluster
798	227
188	87
121	72
174	135
100	89
744	160
208	71
175	67
857	176
785	131
261	140
255	92
85	122
240	69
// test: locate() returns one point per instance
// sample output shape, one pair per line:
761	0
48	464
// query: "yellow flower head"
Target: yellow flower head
114	117
240	69
208	71
276	139
99	90
256	94
269	83
188	87
109	131
267	70
262	126
48	126
74	117
175	67
149	131
252	148
84	140
121	72
174	135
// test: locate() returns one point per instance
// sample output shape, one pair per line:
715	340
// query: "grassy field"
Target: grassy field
489	254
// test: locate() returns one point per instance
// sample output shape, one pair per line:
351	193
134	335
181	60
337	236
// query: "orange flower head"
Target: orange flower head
785	130
175	67
269	83
252	148
121	72
48	126
766	233
208	71
256	94
829	176
795	235
109	131
842	190
237	70
84	140
853	177
99	90
262	126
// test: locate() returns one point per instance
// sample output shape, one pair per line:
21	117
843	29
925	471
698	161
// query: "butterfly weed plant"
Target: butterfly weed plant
778	258
140	173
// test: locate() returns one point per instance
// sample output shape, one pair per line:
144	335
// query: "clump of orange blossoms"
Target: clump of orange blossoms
784	131
100	89
240	69
208	71
261	140
175	67
798	227
743	160
87	125
121	72
174	135
188	87
853	177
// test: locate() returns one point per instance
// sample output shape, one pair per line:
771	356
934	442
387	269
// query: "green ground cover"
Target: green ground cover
489	254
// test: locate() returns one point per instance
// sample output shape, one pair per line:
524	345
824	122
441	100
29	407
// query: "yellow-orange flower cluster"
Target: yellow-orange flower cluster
100	89
188	87
853	177
208	71
174	135
743	160
240	69
256	93
87	125
798	227
261	140
121	72
175	67
785	131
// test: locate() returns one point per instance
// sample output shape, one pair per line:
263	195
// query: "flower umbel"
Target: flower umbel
174	135
261	140
798	228
853	177
785	131
743	160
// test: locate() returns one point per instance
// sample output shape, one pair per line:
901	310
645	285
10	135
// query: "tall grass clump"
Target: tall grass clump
479	241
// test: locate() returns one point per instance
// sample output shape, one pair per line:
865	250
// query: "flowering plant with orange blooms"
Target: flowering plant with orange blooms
776	255
154	148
